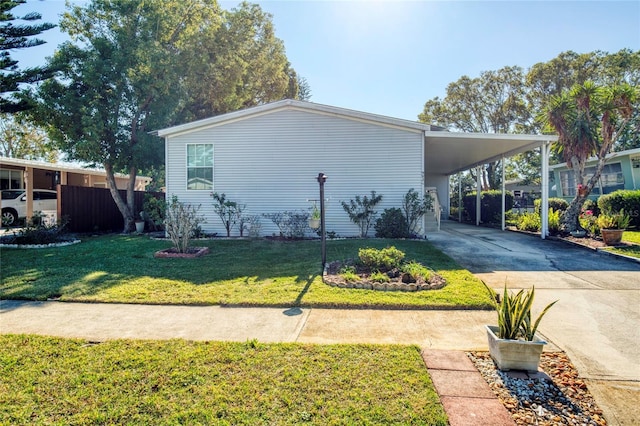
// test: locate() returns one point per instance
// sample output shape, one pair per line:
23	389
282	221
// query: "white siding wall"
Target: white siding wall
270	163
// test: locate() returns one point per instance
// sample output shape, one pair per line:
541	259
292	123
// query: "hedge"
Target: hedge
556	204
491	205
623	199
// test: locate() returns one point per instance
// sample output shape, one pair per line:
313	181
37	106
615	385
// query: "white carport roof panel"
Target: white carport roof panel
447	153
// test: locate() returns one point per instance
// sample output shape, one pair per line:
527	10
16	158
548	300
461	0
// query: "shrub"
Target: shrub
414	208
36	231
379	277
529	222
589	222
230	212
154	210
627	200
554	221
590	205
181	221
348	273
491	205
416	271
291	224
392	224
556	204
382	260
360	211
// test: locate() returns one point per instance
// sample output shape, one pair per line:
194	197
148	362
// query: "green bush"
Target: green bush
382	260
392	224
529	222
554	221
590	205
627	200
416	270
491	206
556	204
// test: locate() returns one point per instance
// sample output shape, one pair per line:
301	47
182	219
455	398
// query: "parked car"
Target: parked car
14	203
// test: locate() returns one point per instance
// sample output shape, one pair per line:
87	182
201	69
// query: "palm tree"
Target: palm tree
588	119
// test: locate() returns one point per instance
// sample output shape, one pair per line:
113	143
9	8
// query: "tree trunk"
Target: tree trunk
126	209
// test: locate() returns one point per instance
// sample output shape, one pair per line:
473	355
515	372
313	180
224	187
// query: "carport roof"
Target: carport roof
447	153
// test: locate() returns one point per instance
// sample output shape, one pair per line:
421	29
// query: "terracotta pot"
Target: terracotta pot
611	237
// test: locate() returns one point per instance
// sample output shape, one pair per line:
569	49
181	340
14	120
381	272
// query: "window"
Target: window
10	179
200	167
610	180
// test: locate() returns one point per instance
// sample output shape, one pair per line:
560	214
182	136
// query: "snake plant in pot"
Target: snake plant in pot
513	343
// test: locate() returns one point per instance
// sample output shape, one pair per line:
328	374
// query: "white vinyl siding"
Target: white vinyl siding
270	163
200	167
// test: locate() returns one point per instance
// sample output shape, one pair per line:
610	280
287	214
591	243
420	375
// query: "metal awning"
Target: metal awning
447	153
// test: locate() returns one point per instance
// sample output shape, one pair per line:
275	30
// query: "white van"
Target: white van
14	203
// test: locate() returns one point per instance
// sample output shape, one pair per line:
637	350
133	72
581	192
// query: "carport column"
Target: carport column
459	197
478	194
504	204
544	205
28	186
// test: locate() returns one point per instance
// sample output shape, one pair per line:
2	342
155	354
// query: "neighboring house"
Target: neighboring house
13	172
268	158
31	175
621	171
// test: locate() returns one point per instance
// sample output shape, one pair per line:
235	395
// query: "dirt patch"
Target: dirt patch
191	253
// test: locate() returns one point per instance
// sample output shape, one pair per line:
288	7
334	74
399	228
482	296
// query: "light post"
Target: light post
322	178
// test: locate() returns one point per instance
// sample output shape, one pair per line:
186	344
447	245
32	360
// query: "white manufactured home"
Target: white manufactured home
268	158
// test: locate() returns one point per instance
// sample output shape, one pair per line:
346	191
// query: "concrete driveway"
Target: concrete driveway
597	318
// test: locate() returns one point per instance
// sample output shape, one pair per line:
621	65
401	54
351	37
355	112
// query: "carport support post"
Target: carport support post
322	178
504	202
545	149
478	194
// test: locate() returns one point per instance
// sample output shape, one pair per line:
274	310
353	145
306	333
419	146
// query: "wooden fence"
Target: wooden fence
93	209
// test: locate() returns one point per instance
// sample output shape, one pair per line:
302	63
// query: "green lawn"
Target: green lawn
65	381
118	268
632	251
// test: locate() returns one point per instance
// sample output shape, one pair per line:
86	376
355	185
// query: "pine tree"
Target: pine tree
18	37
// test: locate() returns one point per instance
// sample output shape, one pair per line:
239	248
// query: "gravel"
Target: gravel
556	395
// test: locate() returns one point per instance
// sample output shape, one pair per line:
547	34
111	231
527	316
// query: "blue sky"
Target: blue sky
390	57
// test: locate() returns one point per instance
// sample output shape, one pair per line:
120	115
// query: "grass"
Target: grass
118	268
67	381
632	251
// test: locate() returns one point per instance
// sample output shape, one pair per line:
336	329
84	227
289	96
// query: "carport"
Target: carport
447	153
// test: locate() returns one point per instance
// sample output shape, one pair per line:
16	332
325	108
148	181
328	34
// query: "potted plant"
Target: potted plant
513	343
612	226
140	223
314	220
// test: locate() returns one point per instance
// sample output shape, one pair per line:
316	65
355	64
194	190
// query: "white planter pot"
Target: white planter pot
314	223
514	354
139	227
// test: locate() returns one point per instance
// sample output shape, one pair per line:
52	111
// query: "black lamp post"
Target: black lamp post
322	178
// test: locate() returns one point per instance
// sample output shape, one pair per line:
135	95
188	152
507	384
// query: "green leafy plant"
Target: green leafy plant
349	274
416	271
529	222
618	220
381	260
514	314
554	221
414	208
392	224
229	211
154	210
379	277
360	211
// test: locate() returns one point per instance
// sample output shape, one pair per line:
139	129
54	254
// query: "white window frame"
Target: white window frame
199	167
